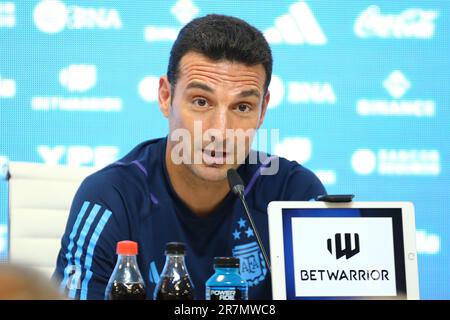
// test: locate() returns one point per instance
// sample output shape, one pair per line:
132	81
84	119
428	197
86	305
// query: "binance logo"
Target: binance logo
345	250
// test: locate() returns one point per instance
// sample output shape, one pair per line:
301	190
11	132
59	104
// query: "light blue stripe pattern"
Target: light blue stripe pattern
90	253
79	252
69	266
154	272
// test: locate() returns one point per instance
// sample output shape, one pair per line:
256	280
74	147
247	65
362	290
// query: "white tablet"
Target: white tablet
354	250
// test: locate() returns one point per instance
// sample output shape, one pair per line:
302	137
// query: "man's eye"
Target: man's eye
243	108
200	102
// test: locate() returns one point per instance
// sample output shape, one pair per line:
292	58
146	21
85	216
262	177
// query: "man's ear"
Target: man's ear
264	105
164	95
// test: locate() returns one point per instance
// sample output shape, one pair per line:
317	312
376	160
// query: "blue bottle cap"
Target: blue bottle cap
226	262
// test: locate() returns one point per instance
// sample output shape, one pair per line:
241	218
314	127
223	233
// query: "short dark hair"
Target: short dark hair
221	37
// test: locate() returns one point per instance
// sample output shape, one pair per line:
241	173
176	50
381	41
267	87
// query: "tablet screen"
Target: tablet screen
339	253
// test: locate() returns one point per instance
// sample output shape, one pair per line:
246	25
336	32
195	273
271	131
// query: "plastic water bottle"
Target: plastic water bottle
175	282
226	283
126	282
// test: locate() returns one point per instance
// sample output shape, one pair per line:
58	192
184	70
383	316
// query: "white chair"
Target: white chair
40	197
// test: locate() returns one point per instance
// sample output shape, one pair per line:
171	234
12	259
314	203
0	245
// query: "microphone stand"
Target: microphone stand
247	212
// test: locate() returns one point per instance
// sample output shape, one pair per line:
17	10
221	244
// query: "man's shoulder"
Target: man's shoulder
131	170
277	178
267	165
145	152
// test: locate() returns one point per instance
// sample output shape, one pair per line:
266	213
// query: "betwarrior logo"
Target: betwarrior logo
347	250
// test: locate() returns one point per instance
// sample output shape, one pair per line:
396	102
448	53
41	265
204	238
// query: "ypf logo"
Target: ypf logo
347	250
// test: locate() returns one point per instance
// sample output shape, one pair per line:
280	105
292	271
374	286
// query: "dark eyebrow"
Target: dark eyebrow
198	85
248	93
202	86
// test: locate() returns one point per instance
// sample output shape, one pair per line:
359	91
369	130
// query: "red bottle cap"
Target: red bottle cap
127	247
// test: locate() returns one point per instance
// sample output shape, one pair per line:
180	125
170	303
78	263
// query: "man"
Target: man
175	189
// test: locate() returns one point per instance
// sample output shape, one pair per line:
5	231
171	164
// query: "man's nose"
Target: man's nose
219	123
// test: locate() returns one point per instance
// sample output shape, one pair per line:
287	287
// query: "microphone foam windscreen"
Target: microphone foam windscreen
234	179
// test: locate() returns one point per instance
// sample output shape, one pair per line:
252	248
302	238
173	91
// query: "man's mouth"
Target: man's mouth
215	153
214	156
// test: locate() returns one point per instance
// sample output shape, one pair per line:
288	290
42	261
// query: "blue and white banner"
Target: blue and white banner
360	93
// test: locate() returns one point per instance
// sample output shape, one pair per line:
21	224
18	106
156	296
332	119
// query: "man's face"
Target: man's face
214	103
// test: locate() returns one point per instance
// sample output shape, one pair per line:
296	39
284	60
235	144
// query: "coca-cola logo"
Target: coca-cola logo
411	23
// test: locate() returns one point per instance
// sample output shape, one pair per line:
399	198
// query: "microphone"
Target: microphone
237	186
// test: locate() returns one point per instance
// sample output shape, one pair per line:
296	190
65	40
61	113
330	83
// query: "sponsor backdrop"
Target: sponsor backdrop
360	94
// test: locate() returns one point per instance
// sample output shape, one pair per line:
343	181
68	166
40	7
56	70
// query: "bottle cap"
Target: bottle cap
175	248
127	247
226	262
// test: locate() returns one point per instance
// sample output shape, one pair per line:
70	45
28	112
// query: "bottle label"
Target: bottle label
230	293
